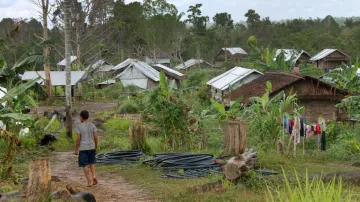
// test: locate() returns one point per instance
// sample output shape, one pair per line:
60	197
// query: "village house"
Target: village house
100	69
62	64
192	63
160	58
231	80
329	59
317	97
171	74
229	54
105	84
139	74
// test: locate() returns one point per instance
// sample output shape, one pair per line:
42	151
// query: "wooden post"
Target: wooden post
39	187
235	138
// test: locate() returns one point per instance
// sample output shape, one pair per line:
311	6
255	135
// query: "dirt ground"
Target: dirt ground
111	187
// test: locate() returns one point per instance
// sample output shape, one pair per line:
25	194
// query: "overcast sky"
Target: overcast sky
275	9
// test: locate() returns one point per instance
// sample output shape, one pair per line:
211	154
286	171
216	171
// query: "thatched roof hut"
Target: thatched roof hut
317	97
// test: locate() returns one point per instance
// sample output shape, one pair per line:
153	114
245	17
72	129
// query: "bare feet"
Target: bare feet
89	183
95	182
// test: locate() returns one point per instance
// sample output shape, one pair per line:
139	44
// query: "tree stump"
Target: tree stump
235	138
39	186
240	165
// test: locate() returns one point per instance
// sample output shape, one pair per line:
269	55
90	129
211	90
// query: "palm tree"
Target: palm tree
68	69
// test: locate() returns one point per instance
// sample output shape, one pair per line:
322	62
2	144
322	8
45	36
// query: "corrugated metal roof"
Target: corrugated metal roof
146	69
190	63
223	81
110	81
58	78
105	68
325	53
63	62
235	50
165	68
123	64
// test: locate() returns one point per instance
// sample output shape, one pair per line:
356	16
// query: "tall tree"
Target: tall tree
196	19
44	6
68	68
253	19
223	20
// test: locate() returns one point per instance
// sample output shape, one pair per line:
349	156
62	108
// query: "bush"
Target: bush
339	151
116	124
128	106
116	137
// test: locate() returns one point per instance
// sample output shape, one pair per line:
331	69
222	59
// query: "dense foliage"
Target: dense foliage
116	30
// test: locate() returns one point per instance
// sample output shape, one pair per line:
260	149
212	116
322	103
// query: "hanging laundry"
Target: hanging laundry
322	123
317	129
285	122
302	126
323	141
296	130
309	131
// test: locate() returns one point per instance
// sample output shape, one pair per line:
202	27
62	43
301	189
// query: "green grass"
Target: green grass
253	189
310	190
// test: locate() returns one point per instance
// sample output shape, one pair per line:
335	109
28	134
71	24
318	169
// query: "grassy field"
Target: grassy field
253	188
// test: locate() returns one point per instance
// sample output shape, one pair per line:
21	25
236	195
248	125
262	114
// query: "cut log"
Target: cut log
39	186
235	138
239	166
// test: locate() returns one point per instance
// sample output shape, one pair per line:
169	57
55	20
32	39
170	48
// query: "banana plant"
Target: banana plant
265	113
11	112
346	77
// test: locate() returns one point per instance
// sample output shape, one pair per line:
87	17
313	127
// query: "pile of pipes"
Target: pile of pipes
182	165
119	157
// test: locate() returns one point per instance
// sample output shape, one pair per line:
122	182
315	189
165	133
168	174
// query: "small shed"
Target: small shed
317	97
229	54
294	55
62	63
105	84
231	80
171	74
58	78
140	74
193	63
329	59
100	69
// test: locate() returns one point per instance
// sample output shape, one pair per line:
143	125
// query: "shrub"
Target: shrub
128	106
116	135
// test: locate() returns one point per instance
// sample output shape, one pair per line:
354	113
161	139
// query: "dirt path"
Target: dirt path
111	187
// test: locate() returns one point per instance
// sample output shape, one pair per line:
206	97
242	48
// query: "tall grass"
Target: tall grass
308	191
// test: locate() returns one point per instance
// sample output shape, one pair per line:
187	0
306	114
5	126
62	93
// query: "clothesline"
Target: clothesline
297	128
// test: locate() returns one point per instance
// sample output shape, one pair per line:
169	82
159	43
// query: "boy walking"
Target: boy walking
86	146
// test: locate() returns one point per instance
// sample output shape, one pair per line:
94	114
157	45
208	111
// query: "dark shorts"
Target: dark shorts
87	157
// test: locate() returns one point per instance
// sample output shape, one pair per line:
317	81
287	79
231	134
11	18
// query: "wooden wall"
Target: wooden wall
316	108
